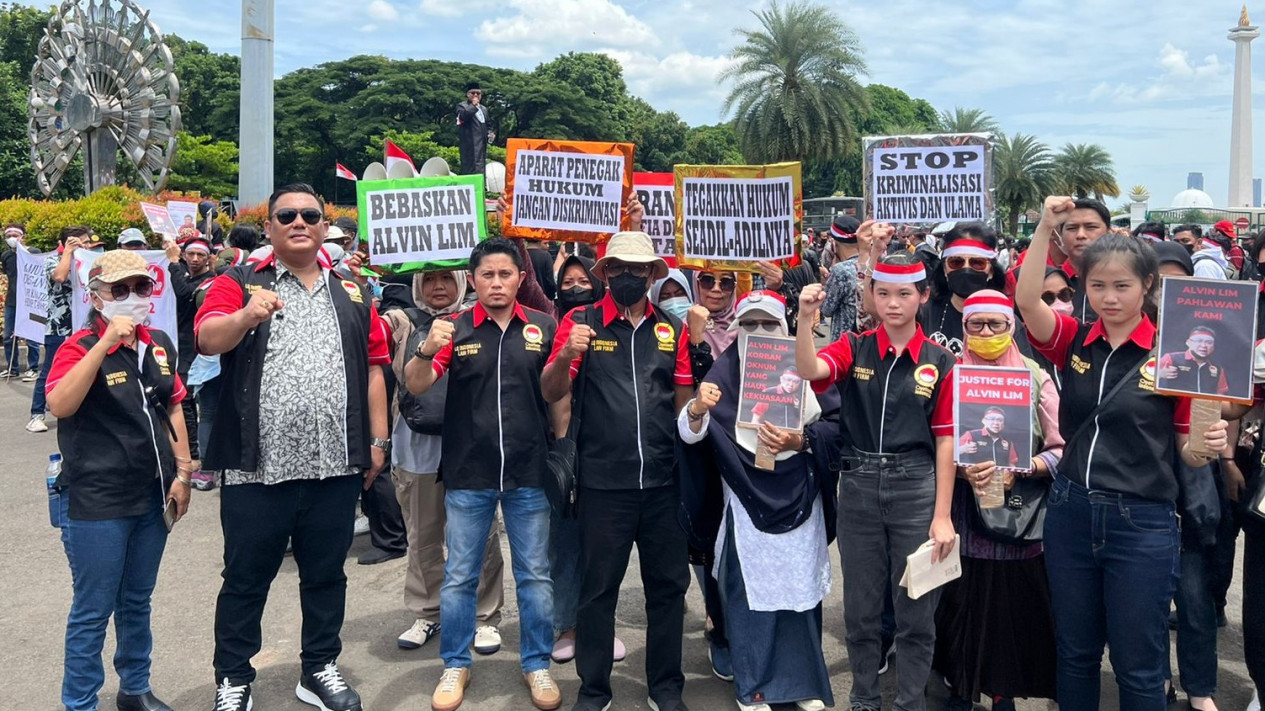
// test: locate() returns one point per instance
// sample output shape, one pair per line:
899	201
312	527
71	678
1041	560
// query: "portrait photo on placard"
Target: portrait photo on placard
1206	337
772	389
993	416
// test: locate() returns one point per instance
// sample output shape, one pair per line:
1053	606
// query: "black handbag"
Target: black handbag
563	481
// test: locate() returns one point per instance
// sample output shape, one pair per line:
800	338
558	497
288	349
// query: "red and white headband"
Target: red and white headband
988	302
1151	237
899	273
841	235
970	248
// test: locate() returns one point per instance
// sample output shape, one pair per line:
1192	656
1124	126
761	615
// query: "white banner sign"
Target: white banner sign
929	184
31	314
568	191
162	309
738	219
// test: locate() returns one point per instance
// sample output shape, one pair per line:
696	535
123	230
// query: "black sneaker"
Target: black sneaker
327	690
233	698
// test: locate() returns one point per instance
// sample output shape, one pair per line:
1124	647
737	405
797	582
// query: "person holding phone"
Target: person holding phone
114	388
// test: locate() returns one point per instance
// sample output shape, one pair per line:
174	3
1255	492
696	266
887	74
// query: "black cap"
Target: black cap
473	86
844	228
1175	253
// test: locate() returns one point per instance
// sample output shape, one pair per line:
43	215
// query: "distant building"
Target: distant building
1194	181
1256	192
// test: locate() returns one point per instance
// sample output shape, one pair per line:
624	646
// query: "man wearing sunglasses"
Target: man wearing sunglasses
472	131
301	427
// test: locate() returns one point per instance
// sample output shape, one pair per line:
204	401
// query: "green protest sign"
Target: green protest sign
421	224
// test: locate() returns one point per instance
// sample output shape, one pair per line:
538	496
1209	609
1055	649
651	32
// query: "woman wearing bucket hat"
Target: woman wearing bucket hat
113	385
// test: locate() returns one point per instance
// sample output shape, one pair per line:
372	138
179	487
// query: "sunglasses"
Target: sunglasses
754	326
979	264
287	215
641	271
143	289
708	282
1064	295
994	325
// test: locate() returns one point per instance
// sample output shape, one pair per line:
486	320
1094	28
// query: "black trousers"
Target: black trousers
318	519
1254	599
189	406
386	521
610	522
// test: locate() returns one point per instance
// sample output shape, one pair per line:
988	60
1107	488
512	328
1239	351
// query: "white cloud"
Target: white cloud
455	8
1178	78
648	74
546	27
383	11
1176	62
368	28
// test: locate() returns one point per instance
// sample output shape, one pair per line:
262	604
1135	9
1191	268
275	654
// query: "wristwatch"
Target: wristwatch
383	444
422	355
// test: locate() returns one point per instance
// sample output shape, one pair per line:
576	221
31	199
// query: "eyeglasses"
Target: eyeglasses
287	215
641	271
766	326
979	264
1064	295
708	282
143	289
994	325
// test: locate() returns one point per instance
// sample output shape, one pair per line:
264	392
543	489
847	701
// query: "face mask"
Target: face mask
678	306
990	348
1190	248
575	296
627	289
134	306
1062	307
965	282
13	242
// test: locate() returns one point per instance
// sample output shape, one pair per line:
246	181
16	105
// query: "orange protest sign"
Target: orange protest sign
566	190
731	217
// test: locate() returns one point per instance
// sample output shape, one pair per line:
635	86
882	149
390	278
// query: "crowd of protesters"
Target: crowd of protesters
443	394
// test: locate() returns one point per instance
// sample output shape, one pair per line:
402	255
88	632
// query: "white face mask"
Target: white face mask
13	242
678	306
137	307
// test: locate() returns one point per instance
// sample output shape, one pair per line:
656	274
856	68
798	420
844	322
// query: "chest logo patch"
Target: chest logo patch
1147	381
160	357
925	377
664	332
533	334
353	291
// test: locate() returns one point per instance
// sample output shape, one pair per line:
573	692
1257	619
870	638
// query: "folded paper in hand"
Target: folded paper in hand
922	576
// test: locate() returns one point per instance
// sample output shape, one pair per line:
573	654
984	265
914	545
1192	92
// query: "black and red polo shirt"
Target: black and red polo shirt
1128	446
117	458
496	422
892	403
627	437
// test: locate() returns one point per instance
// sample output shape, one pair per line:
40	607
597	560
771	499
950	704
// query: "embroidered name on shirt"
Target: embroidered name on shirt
860	373
600	346
116	378
1079	365
466	350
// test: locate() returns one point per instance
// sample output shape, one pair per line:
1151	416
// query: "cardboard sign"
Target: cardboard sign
183	214
571	191
1206	333
160	222
730	217
657	194
992	415
30	317
162	307
772	390
929	179
421	224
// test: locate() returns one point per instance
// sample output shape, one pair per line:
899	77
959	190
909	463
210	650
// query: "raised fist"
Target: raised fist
440	335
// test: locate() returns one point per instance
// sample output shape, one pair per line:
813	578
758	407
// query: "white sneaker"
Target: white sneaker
362	525
8	373
1255	703
36	424
30	376
418	634
487	640
753	707
811	705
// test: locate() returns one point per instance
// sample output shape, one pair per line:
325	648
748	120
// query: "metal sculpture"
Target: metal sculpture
103	81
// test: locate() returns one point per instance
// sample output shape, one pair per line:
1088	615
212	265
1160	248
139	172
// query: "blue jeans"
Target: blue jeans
38	403
471	513
564	570
113	566
32	349
1113	563
1196	624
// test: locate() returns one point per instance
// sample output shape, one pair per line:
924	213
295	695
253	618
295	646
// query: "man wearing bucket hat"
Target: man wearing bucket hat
627	400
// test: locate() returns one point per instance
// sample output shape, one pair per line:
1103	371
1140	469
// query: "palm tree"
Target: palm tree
1084	170
962	120
1023	170
795	93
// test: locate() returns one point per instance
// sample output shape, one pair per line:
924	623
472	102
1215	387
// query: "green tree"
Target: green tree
1023	170
210	89
795	93
712	145
659	137
204	164
1085	169
961	120
21	28
597	75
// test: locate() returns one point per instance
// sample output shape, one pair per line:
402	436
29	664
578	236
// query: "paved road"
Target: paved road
35	597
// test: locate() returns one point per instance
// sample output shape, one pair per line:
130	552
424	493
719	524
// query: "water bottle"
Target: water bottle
54	491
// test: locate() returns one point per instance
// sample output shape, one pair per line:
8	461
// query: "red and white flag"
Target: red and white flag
395	155
341	171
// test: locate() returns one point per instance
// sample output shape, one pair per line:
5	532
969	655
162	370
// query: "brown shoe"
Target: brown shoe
451	690
545	694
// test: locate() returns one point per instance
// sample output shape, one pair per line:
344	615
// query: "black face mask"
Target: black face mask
627	289
965	282
575	296
1190	248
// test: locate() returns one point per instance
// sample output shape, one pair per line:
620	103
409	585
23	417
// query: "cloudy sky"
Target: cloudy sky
1149	81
